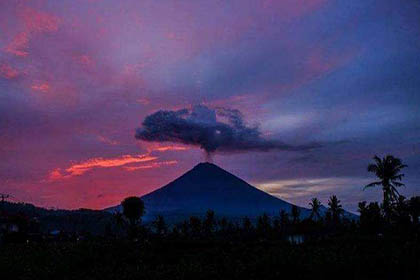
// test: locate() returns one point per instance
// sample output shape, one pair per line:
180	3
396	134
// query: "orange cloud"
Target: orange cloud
79	169
154	147
152	165
170	148
83	167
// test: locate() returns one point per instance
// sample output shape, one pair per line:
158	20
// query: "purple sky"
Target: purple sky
78	77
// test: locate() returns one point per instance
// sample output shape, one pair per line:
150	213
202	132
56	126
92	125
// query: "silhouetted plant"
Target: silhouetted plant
120	223
185	228
284	219
264	225
223	225
277	225
388	170
160	225
247	225
119	219
133	210
414	209
209	223
402	214
295	214
371	220
315	209
195	224
335	209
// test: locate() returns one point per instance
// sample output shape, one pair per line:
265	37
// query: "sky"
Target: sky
78	77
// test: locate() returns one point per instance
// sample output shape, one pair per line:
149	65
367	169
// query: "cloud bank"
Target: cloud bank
213	130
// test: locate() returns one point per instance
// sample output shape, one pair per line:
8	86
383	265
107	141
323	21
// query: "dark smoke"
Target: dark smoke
219	130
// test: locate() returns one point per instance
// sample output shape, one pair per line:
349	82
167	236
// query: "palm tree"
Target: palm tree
315	207
335	208
388	170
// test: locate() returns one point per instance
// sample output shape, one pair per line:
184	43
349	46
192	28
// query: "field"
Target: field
342	257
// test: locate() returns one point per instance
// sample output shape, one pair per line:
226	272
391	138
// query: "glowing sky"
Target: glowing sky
77	77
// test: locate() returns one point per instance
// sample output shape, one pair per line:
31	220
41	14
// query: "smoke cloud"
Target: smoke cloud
213	130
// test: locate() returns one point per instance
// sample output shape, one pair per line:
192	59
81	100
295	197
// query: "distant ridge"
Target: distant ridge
208	186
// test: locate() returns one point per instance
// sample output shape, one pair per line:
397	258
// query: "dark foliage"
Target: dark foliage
382	244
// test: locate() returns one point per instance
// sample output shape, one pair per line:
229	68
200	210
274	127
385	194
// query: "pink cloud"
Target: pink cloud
34	22
8	71
85	60
43	87
107	140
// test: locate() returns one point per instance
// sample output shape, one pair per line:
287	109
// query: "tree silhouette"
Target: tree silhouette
195	224
185	228
371	220
264	225
160	225
295	214
209	223
284	218
133	210
120	223
247	225
223	224
3	199
414	209
335	208
402	213
315	208
388	170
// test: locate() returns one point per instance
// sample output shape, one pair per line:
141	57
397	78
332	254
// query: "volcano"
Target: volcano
208	186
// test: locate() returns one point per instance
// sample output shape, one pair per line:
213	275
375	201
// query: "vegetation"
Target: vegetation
388	170
133	210
382	244
315	208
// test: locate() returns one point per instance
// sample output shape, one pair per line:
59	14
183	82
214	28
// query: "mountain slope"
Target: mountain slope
208	186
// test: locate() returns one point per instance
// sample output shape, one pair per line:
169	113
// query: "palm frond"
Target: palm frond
397	177
372	168
377	159
372	185
397	184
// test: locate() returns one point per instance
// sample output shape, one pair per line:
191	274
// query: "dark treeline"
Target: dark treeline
381	243
402	219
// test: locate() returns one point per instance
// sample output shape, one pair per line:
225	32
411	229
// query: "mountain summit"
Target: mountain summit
208	186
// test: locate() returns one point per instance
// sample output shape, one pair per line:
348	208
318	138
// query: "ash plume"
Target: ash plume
213	130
